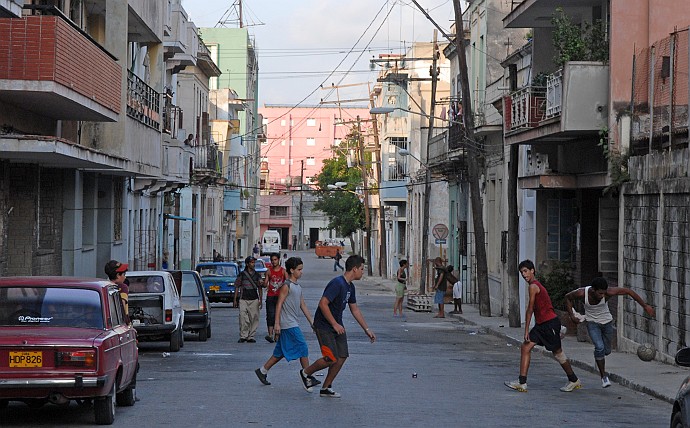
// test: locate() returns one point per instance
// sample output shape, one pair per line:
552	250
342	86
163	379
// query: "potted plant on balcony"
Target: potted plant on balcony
575	42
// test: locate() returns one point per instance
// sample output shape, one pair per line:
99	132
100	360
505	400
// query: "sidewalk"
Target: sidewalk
654	378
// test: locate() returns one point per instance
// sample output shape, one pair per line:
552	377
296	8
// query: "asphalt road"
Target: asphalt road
460	374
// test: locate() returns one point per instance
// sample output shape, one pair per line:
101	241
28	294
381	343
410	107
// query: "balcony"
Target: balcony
51	68
208	164
574	104
143	102
445	158
205	62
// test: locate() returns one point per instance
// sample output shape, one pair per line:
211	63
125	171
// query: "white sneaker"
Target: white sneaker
516	385
605	383
571	386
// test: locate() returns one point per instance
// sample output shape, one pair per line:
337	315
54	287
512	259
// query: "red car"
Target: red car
65	339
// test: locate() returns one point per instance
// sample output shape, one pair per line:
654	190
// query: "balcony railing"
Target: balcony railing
554	94
208	158
527	107
143	102
172	117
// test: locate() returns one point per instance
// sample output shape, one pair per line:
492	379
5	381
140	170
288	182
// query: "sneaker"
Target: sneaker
571	386
241	340
314	381
605	382
307	382
262	377
251	340
328	392
269	339
516	385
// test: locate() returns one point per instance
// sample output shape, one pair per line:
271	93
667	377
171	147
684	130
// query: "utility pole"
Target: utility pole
427	176
383	258
367	221
472	169
301	220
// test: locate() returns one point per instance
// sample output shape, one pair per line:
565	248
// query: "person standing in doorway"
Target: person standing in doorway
599	318
338	256
328	322
546	331
248	291
275	278
400	288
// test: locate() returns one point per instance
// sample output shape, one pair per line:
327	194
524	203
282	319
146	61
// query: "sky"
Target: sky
303	44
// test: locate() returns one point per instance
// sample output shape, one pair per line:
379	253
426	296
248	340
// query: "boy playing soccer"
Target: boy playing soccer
546	331
290	344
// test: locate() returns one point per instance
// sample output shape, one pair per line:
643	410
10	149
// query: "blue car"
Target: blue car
219	280
261	267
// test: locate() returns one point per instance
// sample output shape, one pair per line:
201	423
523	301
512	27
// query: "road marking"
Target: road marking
212	354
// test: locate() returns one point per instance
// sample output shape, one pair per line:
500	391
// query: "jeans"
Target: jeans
337	265
601	335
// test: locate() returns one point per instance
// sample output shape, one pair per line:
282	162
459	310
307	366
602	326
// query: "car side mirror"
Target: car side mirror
683	357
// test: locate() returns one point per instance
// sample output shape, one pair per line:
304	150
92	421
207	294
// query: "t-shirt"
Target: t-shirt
275	280
543	309
249	291
443	285
457	290
339	293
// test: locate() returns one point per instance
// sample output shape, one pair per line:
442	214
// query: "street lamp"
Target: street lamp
405	152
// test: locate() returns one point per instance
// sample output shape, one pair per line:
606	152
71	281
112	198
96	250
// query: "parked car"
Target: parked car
261	267
197	311
680	415
64	339
155	308
219	280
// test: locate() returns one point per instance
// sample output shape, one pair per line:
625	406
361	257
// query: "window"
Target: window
282	161
117	209
311	161
264	121
282	143
311	122
560	229
282	122
337	142
277	211
397	164
311	141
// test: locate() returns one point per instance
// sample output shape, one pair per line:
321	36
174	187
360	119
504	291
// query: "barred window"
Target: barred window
117	210
278	211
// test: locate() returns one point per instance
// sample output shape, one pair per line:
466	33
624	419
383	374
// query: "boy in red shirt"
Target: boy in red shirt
275	278
546	331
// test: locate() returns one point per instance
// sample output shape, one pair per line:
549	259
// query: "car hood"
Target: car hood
12	336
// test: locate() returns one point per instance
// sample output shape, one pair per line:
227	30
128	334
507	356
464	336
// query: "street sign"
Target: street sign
440	231
440	241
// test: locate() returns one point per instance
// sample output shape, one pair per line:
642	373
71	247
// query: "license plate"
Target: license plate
26	359
214	288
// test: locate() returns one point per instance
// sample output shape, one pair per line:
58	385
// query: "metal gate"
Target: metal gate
145	249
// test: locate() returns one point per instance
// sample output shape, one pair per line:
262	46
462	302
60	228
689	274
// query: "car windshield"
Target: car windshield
50	307
146	284
218	270
189	286
259	264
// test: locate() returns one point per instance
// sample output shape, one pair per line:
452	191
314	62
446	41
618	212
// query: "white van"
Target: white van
270	242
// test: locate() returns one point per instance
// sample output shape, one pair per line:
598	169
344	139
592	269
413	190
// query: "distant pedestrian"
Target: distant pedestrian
400	288
599	318
546	331
290	344
328	321
248	291
256	251
338	256
440	287
217	257
275	278
457	297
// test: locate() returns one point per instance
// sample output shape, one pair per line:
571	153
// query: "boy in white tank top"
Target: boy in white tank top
599	318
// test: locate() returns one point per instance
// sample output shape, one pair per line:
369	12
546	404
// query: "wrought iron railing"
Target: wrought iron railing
554	94
143	102
527	107
208	158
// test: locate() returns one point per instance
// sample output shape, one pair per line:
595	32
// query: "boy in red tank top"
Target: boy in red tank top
275	278
546	331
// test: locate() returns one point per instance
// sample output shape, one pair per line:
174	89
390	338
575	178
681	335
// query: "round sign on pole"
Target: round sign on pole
440	231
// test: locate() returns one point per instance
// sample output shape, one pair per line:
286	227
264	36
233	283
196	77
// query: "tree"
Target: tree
344	210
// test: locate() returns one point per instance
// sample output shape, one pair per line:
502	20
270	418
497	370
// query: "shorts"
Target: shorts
333	345
271	303
399	290
291	345
439	296
547	334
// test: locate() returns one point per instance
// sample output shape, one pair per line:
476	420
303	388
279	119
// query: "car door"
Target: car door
178	313
126	334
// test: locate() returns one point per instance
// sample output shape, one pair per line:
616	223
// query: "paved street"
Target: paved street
460	374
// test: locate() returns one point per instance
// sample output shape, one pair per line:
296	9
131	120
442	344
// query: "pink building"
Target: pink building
297	142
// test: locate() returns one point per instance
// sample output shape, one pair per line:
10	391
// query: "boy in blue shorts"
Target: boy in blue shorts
290	343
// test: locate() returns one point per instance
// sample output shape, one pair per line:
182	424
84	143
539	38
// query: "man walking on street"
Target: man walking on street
248	290
546	331
599	318
338	256
328	323
275	278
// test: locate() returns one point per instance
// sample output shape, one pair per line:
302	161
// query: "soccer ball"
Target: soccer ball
646	352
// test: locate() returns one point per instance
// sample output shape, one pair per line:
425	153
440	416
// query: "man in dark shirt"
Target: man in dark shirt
248	290
328	324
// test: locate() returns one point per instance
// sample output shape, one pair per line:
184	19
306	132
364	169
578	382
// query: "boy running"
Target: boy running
546	331
290	341
275	278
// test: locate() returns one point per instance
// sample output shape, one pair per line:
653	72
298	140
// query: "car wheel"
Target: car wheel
677	420
208	331
203	335
4	403
181	338
175	341
128	397
104	408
